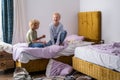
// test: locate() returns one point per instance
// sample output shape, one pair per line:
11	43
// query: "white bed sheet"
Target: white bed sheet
106	60
25	58
5	47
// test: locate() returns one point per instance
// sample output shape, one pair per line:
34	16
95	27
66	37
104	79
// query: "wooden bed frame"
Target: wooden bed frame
41	64
90	26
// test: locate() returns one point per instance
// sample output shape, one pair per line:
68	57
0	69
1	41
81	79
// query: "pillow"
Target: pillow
116	44
72	38
56	68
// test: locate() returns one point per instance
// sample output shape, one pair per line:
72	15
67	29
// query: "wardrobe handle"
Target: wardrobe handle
1	56
2	64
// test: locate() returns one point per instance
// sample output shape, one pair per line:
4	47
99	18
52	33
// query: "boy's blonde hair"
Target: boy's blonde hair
33	22
58	14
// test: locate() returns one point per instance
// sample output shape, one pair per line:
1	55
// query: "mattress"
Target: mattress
98	57
68	51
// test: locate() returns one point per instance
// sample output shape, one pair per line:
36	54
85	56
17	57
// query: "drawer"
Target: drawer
4	55
2	65
6	64
10	64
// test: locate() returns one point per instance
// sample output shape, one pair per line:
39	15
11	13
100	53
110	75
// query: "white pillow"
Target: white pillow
73	38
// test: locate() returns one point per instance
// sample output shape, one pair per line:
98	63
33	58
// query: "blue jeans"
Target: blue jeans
62	37
39	45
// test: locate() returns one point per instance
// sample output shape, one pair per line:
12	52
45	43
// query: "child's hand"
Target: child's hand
43	36
44	42
36	41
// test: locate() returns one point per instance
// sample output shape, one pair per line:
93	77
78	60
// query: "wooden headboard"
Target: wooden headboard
89	25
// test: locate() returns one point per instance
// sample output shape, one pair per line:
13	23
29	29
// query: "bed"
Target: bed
86	65
6	56
40	64
36	59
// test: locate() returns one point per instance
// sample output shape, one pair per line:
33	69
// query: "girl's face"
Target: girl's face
56	18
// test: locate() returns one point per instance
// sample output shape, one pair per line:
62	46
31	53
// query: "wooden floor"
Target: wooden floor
8	74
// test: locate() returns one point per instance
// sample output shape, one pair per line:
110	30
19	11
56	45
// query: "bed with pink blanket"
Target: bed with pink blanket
107	55
103	58
36	59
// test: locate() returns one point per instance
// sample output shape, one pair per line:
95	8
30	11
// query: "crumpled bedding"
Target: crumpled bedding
111	48
69	50
5	47
46	52
23	53
21	74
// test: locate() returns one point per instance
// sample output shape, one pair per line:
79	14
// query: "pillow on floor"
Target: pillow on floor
56	68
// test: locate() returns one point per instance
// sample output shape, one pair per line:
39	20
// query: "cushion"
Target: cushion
56	68
74	37
116	44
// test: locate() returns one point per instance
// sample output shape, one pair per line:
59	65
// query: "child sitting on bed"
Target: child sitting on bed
57	33
31	37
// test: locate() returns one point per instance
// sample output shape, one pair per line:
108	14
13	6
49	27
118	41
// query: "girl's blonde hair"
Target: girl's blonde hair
33	23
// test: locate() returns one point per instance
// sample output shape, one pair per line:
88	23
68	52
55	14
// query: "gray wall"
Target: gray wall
43	9
110	17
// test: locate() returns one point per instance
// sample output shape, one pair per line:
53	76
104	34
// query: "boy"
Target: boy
31	37
57	33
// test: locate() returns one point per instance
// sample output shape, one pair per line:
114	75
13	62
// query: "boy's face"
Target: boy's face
36	26
56	18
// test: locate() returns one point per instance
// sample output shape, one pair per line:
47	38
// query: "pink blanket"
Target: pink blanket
113	48
47	52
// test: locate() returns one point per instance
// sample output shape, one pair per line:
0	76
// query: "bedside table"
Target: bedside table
6	61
